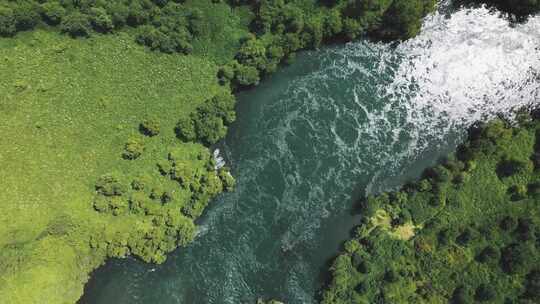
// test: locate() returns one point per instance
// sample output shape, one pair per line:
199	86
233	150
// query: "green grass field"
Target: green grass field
67	108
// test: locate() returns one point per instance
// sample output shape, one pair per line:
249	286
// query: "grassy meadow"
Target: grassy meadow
67	109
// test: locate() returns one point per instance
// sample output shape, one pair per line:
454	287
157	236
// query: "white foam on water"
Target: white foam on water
466	67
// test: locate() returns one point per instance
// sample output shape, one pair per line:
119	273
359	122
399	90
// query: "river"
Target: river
310	141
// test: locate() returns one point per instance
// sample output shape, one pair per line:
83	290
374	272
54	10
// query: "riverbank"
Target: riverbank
441	239
106	126
319	134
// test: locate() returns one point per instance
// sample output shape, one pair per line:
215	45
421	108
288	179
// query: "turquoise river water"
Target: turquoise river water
317	136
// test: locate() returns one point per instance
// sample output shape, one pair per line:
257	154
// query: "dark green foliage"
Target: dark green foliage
469	240
101	21
520	8
518	192
227	179
76	24
488	255
404	18
509	167
484	293
465	237
507	223
150	127
7	21
133	149
461	295
185	129
209	123
53	12
110	185
532	285
513	258
26	15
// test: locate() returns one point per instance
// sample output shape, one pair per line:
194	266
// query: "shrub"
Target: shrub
507	223
509	167
76	24
7	21
53	12
525	229
164	166
534	190
133	149
461	295
185	129
351	246
109	185
150	127
484	293
101	21
245	76
227	179
26	15
465	237
488	255
391	276
532	285
513	258
118	11
518	192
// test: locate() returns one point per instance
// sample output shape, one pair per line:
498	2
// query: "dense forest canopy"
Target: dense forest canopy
467	232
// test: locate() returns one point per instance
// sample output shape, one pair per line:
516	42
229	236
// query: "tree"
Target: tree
150	127
461	295
76	24
53	12
488	255
532	285
509	167
7	21
133	148
109	185
185	129
246	75
101	20
485	293
26	15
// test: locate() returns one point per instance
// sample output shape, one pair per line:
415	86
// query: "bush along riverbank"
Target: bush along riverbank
468	231
109	111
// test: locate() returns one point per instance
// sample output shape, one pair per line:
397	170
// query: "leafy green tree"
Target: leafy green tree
76	24
150	127
101	20
26	15
461	295
185	129
489	254
110	185
53	12
133	148
245	76
532	285
7	21
485	293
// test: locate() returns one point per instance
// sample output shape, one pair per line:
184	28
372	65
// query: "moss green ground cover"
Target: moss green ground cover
468	232
67	109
